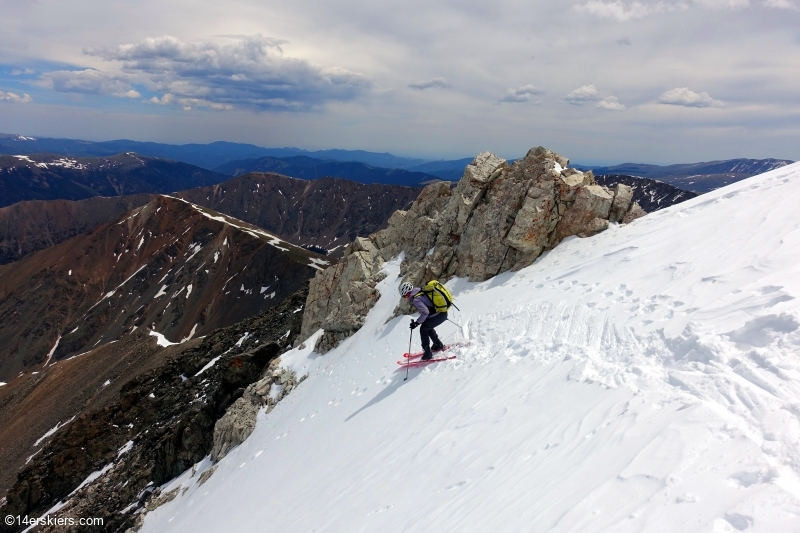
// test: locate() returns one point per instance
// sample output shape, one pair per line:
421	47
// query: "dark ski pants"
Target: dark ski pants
426	331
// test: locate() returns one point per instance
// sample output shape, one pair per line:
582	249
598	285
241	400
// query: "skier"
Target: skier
428	319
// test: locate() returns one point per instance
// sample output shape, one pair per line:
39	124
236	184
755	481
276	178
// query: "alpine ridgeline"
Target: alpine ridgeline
499	217
175	268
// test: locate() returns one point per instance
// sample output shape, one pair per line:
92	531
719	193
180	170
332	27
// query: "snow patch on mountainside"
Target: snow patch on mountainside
52	431
253	231
645	379
161	340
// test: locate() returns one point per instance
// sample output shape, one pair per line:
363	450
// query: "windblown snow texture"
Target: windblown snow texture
645	379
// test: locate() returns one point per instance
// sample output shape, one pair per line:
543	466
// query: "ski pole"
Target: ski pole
410	336
457	324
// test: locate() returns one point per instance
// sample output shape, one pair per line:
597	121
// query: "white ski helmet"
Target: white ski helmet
405	288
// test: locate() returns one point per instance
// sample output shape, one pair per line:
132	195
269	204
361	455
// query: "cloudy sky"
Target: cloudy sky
599	81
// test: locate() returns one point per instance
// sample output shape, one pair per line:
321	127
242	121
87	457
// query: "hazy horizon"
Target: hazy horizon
598	81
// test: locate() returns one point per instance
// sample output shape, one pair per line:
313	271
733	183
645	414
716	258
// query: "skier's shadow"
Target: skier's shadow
397	381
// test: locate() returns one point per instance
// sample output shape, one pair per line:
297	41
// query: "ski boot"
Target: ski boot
427	355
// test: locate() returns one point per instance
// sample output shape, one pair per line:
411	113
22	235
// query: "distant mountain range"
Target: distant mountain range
228	158
696	177
208	156
446	170
311	168
52	177
235	159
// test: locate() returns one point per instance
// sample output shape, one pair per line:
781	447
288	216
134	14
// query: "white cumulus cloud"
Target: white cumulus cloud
685	97
521	94
15	98
610	103
430	84
582	95
621	11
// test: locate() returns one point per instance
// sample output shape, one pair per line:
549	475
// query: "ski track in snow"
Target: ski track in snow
643	380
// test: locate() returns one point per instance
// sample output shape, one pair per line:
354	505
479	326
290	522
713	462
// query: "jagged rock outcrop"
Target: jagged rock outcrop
633	213
239	420
651	195
499	217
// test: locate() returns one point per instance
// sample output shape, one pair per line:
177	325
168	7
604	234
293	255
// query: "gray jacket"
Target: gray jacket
423	305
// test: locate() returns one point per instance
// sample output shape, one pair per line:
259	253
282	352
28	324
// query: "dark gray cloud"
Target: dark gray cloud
250	73
430	84
89	81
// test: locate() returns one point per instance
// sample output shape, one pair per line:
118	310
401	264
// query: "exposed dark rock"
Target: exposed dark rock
166	417
650	194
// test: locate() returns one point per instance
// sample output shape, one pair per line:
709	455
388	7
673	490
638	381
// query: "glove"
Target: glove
414	324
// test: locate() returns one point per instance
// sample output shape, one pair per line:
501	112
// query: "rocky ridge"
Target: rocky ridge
27	227
327	212
651	195
174	268
499	217
110	463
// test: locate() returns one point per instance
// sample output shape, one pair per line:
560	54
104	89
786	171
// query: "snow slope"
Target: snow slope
646	379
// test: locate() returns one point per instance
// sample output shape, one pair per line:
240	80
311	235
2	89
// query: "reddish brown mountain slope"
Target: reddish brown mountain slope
327	212
28	227
35	403
168	266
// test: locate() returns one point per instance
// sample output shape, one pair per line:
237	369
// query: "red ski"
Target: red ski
447	347
413	364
